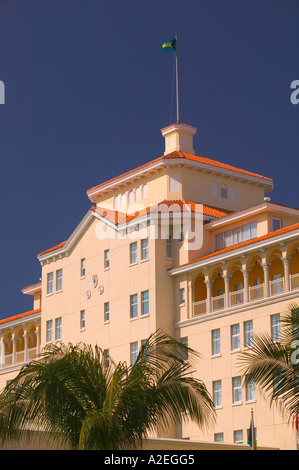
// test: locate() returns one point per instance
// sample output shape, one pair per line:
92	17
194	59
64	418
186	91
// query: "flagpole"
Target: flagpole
252	429
177	79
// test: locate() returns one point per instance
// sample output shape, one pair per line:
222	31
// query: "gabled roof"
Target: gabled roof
183	157
118	218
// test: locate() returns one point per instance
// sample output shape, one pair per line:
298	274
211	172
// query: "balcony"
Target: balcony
244	283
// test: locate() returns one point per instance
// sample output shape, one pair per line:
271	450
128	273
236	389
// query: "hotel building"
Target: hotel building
185	244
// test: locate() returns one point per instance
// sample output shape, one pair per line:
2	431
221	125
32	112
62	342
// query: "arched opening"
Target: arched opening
294	267
236	286
218	289
200	296
256	279
276	274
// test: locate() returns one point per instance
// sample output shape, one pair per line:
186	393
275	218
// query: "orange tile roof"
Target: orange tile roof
60	245
242	244
187	156
21	315
118	217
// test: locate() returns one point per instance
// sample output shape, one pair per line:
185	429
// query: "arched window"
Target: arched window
174	183
115	203
223	191
232	193
144	191
215	189
138	193
131	196
123	200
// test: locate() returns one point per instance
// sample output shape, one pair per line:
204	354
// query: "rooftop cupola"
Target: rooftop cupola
179	136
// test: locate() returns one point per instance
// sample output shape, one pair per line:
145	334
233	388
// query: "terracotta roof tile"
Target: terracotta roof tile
242	244
183	155
21	315
60	245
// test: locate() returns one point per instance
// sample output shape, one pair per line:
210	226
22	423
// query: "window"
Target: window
144	249
174	185
217	393
236	235
131	196
184	341
248	333
216	342
82	320
58	280
133	352
145	346
169	247
82	271
138	193
123	199
106	312
215	189
238	436
133	253
182	296
58	329
144	191
250	388
50	283
145	303
237	389
49	331
235	337
106	259
275	327
276	224
232	193
223	191
218	437
133	306
106	358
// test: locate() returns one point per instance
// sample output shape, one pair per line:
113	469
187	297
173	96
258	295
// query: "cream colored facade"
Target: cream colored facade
131	267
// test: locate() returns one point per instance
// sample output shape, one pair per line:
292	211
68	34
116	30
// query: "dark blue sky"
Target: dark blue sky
88	88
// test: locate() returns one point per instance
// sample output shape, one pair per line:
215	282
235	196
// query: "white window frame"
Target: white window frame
50	283
217	393
106	312
145	303
58	280
237	389
82	320
49	331
133	253
106	259
144	249
216	342
58	328
133	352
82	268
235	337
248	333
133	306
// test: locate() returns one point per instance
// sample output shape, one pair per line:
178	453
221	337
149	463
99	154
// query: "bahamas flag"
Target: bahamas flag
252	436
169	45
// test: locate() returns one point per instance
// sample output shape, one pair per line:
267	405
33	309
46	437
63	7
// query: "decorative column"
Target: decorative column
226	278
265	266
14	349
286	268
190	312
2	352
208	283
37	340
246	284
26	346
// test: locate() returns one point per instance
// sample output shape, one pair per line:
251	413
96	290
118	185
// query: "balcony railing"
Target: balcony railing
236	297
294	281
276	287
256	292
8	359
199	307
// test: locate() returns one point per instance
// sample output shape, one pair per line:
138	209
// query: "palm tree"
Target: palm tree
274	364
79	395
